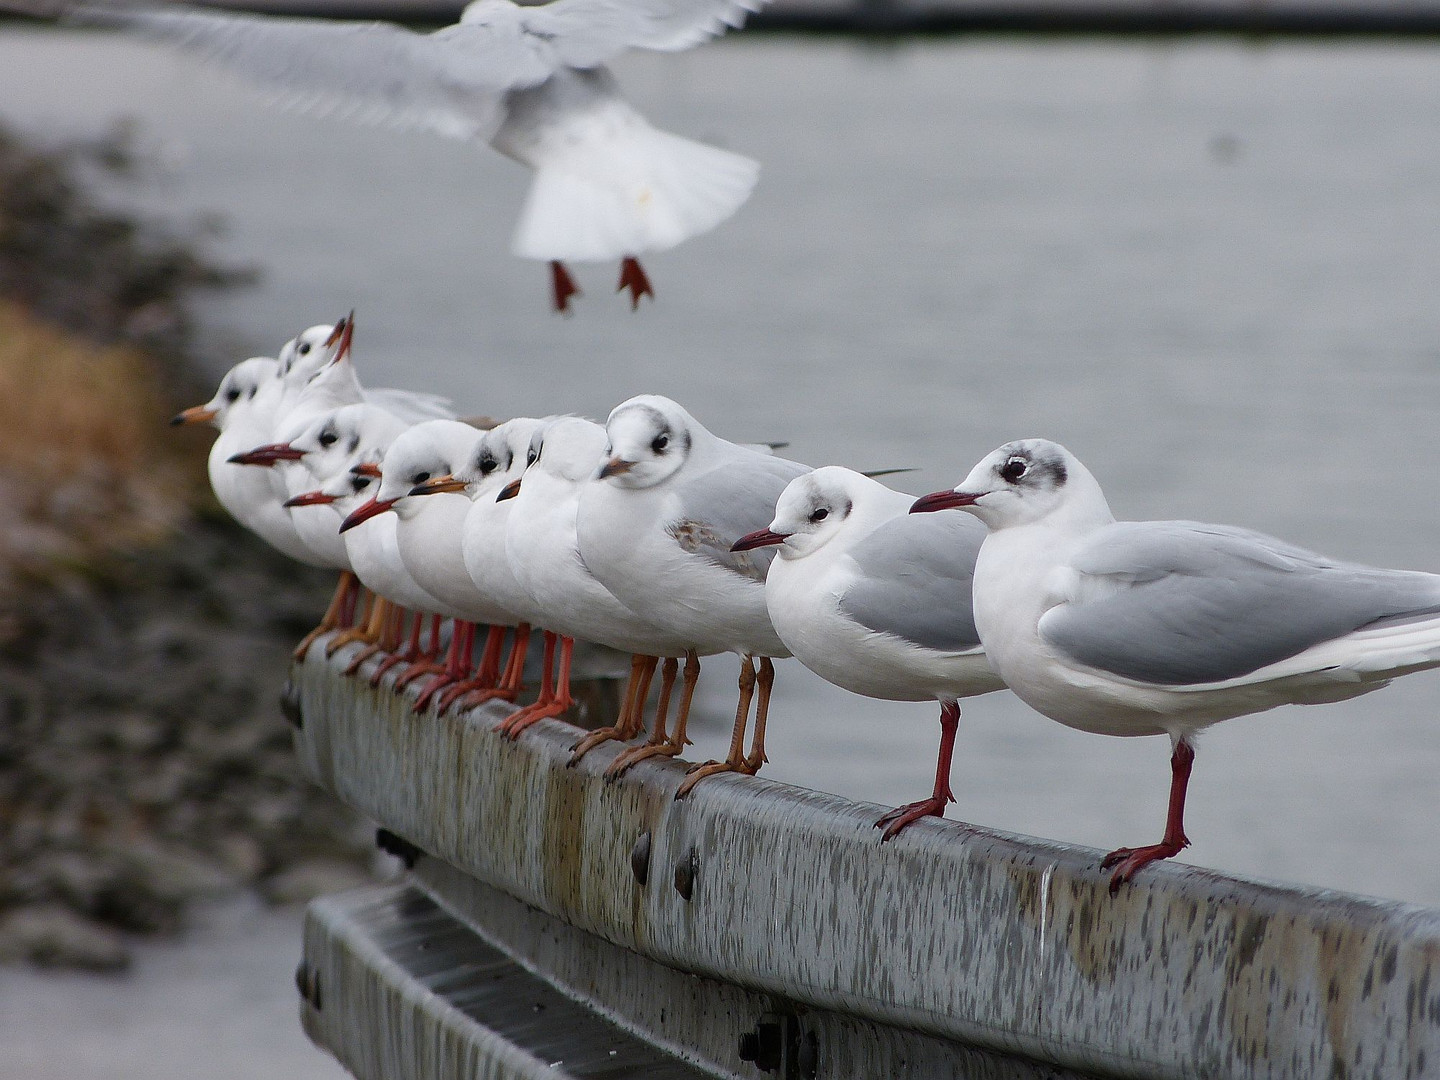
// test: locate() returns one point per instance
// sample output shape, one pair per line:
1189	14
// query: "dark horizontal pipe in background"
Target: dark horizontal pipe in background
898	18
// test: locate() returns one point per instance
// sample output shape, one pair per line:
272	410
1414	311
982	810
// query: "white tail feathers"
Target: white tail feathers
607	198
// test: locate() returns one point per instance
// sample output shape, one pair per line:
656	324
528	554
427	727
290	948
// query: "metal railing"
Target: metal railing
952	944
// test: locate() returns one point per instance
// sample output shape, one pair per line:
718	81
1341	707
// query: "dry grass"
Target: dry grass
87	466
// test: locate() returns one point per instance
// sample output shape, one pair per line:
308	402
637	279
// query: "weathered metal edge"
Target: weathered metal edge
977	936
703	1020
396	987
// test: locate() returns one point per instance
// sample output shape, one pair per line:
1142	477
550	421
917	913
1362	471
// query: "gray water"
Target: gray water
1207	267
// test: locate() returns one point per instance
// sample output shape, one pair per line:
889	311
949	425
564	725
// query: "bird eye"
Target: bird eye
360	483
531	458
1014	469
328	438
488	465
820	515
660	442
304	349
232	394
420	478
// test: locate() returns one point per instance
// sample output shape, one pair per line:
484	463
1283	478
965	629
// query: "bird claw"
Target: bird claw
636	754
1130	861
632	277
904	816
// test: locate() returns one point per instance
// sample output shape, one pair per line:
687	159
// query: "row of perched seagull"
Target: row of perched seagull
655	537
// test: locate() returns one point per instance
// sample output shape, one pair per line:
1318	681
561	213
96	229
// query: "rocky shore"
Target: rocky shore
144	638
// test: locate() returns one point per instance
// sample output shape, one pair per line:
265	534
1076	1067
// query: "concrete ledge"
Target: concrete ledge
987	939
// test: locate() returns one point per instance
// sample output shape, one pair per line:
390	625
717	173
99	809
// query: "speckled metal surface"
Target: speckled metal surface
995	940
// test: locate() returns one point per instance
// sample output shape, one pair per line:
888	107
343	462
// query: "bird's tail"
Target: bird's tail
646	192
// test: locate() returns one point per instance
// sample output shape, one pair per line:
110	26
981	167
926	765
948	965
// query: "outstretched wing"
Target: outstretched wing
1180	603
586	33
450	81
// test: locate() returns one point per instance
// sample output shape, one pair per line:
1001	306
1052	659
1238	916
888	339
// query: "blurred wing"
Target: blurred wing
915	577
450	81
722	505
411	406
587	33
1179	603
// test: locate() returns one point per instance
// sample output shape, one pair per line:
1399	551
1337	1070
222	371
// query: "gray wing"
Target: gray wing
412	406
1180	603
720	506
915	577
450	81
586	33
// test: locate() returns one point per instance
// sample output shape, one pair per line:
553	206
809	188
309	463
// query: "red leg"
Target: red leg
934	806
661	744
559	699
1131	860
632	277
485	675
457	664
562	286
512	681
429	660
408	653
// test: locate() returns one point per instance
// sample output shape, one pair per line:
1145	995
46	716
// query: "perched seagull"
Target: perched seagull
419	486
1167	627
328	448
657	532
876	600
565	598
500	458
243	409
531	81
311	351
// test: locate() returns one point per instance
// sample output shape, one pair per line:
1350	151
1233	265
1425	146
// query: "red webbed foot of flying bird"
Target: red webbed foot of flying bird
562	287
632	277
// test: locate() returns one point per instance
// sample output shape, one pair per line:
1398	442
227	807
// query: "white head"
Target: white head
1024	482
336	443
305	355
499	457
651	438
328	442
423	461
820	506
237	392
569	449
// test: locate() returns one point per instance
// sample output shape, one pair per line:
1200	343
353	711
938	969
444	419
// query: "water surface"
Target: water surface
1209	268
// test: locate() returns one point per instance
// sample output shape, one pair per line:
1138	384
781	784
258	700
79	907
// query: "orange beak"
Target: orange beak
437	485
197	414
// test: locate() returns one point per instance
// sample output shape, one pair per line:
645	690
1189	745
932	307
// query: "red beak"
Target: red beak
759	538
366	468
943	500
267	455
373	508
311	498
509	491
343	332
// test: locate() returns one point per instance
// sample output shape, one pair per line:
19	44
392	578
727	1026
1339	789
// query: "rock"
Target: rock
52	936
